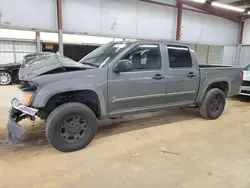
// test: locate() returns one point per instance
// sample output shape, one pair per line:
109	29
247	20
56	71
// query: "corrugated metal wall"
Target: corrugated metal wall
231	55
244	58
13	51
209	54
225	55
201	53
236	55
6	52
24	48
215	54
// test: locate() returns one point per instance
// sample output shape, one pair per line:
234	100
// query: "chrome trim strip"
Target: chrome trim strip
180	93
138	97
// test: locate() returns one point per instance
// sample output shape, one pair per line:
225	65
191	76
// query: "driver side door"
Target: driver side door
142	88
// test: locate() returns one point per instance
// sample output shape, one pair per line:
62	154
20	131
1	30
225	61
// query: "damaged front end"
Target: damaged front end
18	112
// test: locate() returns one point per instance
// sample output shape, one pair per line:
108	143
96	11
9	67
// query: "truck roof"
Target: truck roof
154	41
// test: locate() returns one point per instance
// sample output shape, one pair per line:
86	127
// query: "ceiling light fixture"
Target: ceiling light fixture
228	7
200	1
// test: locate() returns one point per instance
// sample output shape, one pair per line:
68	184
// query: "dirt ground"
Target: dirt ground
175	149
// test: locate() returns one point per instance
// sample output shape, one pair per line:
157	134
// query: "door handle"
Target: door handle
191	75
158	77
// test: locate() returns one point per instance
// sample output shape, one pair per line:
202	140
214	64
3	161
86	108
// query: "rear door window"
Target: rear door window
179	56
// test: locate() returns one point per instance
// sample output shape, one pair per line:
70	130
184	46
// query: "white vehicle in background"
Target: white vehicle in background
245	87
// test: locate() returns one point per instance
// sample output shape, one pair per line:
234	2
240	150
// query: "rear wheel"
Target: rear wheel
71	127
213	104
5	78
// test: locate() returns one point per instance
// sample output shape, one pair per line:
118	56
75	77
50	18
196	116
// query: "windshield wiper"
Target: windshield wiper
90	64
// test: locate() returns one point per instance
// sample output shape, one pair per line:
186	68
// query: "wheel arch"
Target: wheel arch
91	98
222	85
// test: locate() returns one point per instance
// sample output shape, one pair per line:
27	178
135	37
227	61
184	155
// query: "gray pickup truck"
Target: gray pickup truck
117	79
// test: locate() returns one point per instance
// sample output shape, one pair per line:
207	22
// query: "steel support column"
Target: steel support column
14	51
38	41
241	32
179	20
59	22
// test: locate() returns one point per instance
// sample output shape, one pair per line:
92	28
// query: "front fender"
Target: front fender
45	93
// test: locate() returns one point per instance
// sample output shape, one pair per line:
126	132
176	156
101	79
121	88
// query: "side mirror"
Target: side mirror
123	66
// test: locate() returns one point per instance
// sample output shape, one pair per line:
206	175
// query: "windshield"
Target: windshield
247	68
103	55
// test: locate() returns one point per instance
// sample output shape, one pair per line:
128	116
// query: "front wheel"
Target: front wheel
71	127
213	104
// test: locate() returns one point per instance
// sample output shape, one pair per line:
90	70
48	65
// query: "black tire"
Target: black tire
8	78
213	104
57	126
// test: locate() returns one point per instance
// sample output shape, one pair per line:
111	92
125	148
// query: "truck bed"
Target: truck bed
213	66
217	73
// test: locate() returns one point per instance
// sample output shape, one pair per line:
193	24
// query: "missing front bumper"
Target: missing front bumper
15	131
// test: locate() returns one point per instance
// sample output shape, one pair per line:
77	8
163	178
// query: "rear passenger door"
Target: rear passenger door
182	76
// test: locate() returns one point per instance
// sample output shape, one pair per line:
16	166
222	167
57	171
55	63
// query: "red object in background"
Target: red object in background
241	76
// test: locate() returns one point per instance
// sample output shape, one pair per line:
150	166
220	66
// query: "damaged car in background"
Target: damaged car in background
116	79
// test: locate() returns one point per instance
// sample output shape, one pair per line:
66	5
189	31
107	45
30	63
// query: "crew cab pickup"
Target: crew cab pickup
117	79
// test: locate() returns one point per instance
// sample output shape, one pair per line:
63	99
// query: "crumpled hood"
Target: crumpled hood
69	79
46	64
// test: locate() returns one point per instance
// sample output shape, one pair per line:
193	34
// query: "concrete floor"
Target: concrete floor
175	149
